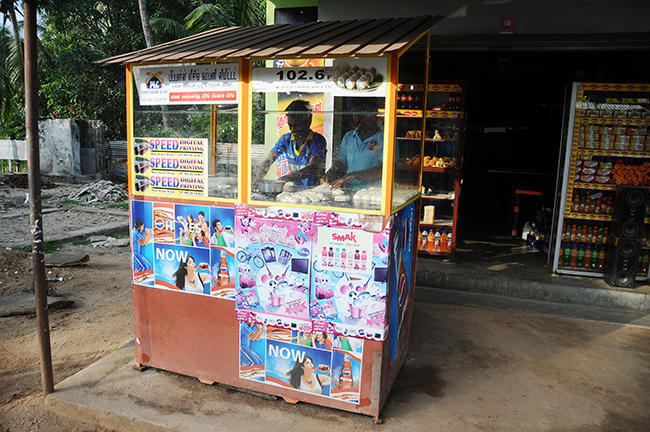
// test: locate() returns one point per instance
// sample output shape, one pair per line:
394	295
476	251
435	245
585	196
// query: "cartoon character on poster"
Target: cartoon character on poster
163	222
273	251
192	227
401	265
142	242
298	367
183	267
223	274
346	376
252	343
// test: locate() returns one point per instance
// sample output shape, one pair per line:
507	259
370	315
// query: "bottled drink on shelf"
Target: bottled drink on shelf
601	259
436	241
430	240
587	259
590	234
425	234
599	205
443	241
581	203
594	258
579	234
609	208
573	257
566	258
584	233
605	235
575	205
449	242
592	205
574	233
645	259
599	238
419	240
581	257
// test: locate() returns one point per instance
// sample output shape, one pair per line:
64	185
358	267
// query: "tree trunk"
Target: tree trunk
148	37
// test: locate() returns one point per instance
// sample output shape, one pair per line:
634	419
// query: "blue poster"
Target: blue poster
252	342
223	273
192	227
400	276
222	227
142	242
346	376
298	367
182	267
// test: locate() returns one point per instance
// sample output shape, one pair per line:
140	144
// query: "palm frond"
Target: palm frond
167	29
206	17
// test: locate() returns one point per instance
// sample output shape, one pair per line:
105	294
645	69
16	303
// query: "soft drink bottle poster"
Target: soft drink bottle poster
350	272
273	265
318	363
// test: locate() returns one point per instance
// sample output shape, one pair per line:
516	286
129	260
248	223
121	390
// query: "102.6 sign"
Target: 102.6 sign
302	74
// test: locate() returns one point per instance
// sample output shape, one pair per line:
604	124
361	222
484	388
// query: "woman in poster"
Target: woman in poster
303	377
188	279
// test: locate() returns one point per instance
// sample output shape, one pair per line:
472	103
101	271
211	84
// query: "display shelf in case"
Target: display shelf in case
596	104
445	113
613	153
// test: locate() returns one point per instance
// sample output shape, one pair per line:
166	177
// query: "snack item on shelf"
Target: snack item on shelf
632	175
440	162
414	161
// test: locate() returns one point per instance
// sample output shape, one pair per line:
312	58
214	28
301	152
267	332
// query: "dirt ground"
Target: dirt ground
100	321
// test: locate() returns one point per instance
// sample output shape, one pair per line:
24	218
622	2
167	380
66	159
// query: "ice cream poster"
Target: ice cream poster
317	363
273	265
349	278
170	167
142	237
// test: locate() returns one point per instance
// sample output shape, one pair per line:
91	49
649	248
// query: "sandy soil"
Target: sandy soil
100	321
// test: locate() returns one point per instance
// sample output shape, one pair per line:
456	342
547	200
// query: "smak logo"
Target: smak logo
344	237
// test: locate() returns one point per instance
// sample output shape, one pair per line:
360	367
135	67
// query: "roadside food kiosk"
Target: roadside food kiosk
273	209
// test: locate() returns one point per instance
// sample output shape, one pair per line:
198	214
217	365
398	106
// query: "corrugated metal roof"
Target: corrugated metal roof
317	39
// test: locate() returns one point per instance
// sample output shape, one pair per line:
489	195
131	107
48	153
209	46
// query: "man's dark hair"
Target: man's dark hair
138	223
299	105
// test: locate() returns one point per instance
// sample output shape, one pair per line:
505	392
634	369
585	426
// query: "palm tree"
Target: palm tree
209	15
11	74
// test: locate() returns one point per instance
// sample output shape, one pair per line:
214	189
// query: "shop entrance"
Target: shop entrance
515	109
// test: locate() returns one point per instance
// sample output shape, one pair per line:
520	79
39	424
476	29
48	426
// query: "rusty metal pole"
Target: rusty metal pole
34	176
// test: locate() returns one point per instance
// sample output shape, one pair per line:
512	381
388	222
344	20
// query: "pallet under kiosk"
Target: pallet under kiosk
303	291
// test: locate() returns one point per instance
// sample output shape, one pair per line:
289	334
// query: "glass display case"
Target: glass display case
607	150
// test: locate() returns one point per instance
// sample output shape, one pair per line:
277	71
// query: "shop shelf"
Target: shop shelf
584	243
595	217
589	216
614	153
428	252
437	198
444	88
438	169
410	87
444	114
613	121
441	223
595	186
416	113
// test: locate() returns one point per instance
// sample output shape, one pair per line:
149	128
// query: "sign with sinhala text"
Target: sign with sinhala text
187	84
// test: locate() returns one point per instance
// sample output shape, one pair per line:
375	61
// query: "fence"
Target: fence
13	155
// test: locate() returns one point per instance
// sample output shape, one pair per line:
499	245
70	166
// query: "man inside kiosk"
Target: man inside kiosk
360	157
302	150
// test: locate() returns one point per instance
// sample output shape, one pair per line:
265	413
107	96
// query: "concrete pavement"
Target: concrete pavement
469	369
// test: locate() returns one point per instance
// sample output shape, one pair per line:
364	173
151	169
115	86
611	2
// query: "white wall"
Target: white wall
484	16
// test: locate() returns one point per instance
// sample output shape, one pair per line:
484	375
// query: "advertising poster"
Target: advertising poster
346	77
191	227
175	167
400	276
222	251
273	262
142	237
163	223
349	277
316	100
187	84
182	267
318	363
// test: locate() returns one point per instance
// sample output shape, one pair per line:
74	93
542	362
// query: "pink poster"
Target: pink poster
273	256
349	280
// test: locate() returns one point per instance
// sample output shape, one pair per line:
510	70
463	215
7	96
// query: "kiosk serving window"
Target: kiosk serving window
185	131
323	141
